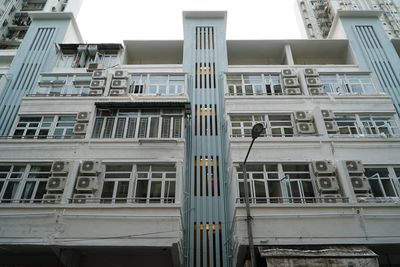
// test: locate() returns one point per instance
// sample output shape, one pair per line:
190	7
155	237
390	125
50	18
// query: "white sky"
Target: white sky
117	20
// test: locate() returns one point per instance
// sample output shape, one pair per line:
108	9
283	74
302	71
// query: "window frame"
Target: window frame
23	179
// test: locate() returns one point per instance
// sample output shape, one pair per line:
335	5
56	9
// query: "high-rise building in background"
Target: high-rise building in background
318	15
131	154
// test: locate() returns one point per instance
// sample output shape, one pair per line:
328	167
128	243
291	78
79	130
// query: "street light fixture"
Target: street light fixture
256	131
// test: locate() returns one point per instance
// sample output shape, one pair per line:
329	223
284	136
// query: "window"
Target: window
155	183
277	125
347	84
63	85
367	124
23	183
157	84
136	123
276	183
253	84
42	127
242	124
384	180
117	182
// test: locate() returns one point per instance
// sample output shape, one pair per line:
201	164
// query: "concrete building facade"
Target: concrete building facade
131	154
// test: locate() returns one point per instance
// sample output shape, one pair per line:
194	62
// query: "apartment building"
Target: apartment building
318	15
131	154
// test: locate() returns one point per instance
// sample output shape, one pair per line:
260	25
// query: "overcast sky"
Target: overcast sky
117	20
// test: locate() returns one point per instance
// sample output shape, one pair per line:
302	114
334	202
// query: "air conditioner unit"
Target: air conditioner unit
313	82
82	48
290	82
331	127
331	198
117	92
303	116
120	74
354	166
310	72
83	116
97	92
99	74
305	128
51	198
360	183
315	91
56	183
119	84
327	183
87	183
97	84
292	91
288	73
323	167
90	167
60	167
92	49
327	114
83	198
80	128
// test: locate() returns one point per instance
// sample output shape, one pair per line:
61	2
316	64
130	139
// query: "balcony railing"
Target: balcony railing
293	200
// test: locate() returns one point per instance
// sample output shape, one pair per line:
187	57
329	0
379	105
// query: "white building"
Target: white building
130	154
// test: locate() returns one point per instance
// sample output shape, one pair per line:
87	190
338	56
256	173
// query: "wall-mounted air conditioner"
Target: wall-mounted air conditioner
80	128
360	183
120	74
90	167
290	82
87	183
117	92
327	184
303	116
99	74
309	72
285	73
331	198
323	167
315	91
331	127
313	82
60	167
305	128
97	84
83	116
354	166
51	198
55	183
327	114
83	198
119	84
292	91
96	92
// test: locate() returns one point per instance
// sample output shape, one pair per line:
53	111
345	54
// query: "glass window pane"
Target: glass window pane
107	193
141	190
10	191
122	190
154	127
131	128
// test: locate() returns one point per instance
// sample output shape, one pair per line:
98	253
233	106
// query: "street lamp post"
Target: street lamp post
256	131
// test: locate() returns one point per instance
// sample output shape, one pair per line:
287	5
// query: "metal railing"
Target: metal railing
294	200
